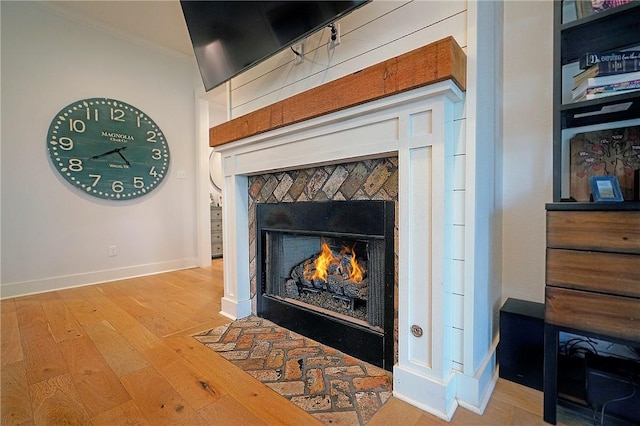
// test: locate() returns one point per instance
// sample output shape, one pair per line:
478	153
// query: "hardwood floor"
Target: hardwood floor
121	353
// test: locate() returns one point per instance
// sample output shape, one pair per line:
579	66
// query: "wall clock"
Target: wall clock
108	149
215	170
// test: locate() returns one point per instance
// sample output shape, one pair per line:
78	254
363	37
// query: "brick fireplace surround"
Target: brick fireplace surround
423	128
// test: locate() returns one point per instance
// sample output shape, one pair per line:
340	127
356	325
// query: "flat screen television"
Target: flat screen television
230	37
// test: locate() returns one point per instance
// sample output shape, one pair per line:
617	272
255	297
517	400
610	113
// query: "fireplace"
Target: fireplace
326	271
443	355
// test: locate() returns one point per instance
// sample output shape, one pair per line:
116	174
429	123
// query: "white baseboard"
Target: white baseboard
88	278
473	392
234	310
433	396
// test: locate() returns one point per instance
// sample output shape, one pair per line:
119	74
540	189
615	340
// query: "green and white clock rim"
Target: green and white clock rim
102	129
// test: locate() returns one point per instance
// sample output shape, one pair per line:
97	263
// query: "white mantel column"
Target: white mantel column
236	302
423	376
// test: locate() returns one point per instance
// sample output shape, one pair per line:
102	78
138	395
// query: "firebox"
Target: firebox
326	271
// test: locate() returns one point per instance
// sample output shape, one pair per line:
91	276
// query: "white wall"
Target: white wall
56	236
527	185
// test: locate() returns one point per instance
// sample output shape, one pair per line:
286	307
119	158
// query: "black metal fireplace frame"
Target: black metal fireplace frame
361	219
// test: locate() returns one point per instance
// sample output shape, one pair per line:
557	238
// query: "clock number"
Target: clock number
138	120
65	143
152	136
117	114
76	126
96	179
95	114
153	172
157	154
138	182
75	164
117	186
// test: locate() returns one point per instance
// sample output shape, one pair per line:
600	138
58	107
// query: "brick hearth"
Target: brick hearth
334	387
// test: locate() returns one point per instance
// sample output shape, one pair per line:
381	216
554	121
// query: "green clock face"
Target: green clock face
108	149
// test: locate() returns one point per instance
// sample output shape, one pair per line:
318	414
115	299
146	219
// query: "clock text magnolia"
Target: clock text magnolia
118	137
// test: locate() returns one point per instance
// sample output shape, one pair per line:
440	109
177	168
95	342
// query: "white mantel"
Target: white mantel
424	128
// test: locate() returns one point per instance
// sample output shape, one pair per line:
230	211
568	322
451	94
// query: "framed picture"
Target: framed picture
583	8
605	188
607	152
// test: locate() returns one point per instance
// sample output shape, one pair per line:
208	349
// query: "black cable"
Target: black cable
294	51
571	348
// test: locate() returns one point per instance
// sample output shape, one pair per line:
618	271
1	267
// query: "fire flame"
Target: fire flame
326	259
356	273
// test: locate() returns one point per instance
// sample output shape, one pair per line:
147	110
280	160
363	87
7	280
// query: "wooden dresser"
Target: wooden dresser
592	282
216	231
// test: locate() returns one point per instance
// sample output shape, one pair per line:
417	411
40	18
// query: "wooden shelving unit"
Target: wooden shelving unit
593	249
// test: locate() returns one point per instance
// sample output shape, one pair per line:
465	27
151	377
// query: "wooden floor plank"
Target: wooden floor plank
15	402
43	359
192	384
85	312
62	324
153	314
99	387
31	318
202	327
158	401
56	401
117	316
398	412
519	396
229	411
121	356
7	306
11	345
149	346
127	413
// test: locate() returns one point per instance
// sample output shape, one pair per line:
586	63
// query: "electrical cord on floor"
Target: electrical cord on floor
604	406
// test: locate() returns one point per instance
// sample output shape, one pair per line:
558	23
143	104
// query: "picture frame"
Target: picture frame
583	8
605	188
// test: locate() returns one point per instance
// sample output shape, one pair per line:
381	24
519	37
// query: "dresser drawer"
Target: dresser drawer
614	316
216	225
216	237
216	249
613	273
616	231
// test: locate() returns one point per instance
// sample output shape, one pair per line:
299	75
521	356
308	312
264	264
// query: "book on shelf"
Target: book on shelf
612	59
607	68
605	83
598	95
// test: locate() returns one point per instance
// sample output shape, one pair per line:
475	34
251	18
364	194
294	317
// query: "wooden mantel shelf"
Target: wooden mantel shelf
438	61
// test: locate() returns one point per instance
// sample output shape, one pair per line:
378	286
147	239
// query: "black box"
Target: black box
521	347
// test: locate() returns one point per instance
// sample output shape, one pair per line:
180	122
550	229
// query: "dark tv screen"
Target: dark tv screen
229	37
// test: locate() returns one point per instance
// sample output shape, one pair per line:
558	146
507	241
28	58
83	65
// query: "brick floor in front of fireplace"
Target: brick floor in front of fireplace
334	387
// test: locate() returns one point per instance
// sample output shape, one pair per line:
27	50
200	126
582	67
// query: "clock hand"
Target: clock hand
113	151
125	160
105	153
